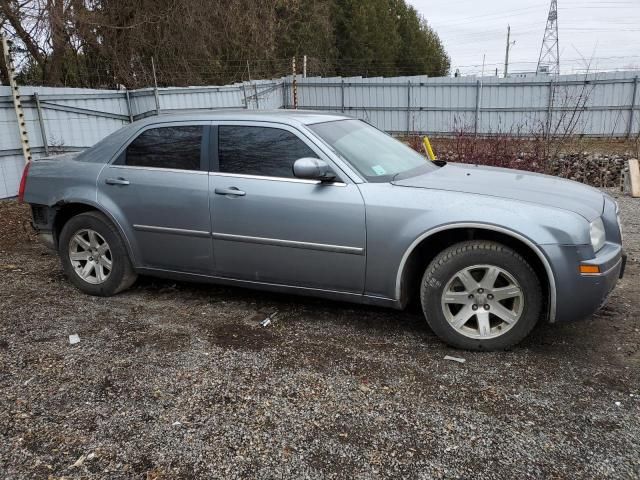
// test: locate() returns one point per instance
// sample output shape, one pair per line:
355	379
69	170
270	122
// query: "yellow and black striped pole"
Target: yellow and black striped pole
17	104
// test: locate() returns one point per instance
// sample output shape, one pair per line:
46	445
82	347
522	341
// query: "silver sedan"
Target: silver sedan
326	205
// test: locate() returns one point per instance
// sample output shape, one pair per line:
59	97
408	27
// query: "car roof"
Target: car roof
291	117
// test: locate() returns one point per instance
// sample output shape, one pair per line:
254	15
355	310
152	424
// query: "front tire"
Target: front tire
481	295
94	256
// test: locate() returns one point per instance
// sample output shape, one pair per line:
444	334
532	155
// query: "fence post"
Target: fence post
255	89
294	84
342	93
408	107
244	92
155	87
633	106
284	93
17	105
128	99
477	115
43	132
550	108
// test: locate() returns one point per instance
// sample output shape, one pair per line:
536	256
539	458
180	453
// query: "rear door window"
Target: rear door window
262	151
177	147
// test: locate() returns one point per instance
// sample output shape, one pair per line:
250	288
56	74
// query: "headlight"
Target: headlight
596	230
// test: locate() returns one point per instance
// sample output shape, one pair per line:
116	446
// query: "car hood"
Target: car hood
513	185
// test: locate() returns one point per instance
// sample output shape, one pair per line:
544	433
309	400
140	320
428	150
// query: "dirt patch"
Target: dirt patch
16	231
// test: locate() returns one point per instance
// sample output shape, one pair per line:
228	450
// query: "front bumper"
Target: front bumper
578	295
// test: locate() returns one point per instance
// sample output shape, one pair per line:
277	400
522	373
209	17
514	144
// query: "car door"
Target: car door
157	188
271	227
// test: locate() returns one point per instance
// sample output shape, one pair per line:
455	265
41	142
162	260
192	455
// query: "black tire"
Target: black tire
479	252
122	274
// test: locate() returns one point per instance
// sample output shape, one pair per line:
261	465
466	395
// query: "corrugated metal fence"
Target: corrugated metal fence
595	105
601	104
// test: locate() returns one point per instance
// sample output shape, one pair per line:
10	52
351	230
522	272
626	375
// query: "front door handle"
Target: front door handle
117	181
236	192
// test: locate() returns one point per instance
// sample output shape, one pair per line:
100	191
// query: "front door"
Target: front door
158	190
271	227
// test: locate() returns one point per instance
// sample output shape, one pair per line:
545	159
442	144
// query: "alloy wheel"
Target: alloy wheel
90	256
482	301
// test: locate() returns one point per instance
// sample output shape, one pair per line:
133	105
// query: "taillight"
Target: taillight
23	182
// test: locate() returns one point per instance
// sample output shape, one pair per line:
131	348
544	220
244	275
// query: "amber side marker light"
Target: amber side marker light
589	269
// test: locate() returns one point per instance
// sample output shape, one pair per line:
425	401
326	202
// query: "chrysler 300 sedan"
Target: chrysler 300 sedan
326	205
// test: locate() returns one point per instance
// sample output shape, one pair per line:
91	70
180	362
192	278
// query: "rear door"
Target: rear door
269	226
158	187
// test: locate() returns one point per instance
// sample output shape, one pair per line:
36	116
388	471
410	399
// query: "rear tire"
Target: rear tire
93	255
481	295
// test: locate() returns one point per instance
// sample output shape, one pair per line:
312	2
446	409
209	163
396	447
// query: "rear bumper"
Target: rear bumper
42	222
578	296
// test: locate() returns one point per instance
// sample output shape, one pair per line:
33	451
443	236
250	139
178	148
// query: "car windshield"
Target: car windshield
374	154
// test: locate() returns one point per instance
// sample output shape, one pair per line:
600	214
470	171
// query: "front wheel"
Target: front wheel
481	295
94	256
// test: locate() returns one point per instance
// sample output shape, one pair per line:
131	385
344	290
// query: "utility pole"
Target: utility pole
17	104
304	67
549	58
506	55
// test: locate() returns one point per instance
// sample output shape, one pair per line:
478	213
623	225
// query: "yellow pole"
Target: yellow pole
427	146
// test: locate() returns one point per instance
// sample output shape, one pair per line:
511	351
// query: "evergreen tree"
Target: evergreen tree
107	43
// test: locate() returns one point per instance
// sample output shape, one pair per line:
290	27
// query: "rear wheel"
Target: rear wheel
93	255
481	295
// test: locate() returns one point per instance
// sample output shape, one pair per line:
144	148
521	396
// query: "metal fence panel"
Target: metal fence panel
488	105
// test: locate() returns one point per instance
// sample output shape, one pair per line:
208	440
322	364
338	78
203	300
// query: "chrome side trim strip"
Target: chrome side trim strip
289	243
525	240
277	179
173	231
156	169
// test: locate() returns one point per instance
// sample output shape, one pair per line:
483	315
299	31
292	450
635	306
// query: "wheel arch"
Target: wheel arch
426	246
67	209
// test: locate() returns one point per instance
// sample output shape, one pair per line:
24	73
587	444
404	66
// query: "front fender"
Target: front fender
400	218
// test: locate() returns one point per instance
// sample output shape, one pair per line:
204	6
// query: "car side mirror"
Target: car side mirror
313	169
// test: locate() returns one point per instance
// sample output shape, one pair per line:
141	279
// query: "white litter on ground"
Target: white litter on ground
454	359
73	339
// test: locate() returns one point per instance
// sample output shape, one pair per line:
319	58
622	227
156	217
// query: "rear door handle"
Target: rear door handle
117	181
236	192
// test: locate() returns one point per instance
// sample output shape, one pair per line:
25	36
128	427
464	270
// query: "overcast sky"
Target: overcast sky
589	29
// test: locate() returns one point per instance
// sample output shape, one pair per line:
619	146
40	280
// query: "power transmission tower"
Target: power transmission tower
549	59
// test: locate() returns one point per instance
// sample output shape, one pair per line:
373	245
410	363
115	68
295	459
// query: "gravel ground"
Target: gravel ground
180	381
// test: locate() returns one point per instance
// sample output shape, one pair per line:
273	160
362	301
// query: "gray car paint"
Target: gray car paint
348	240
516	185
